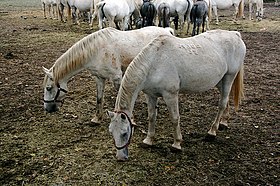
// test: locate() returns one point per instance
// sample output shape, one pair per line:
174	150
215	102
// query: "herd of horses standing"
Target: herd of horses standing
152	60
124	14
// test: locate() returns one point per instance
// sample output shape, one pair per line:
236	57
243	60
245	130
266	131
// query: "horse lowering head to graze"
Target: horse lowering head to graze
148	13
105	54
257	6
163	15
52	8
170	65
199	14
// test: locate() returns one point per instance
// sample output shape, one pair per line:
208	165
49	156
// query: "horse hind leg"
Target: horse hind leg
224	87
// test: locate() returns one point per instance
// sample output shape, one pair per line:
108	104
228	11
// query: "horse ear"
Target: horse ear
47	72
110	114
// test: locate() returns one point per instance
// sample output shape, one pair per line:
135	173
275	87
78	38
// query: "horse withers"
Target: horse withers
199	15
170	65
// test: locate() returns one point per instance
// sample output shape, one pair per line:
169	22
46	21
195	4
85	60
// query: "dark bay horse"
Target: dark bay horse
148	13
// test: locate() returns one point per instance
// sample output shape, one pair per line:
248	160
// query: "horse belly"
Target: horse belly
224	4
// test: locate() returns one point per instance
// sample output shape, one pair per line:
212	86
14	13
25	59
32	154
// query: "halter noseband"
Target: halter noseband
56	95
130	136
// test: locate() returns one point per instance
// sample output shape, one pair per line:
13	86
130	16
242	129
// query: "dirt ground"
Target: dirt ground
64	148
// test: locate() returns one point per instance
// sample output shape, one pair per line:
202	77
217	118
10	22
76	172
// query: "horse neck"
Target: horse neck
73	61
133	83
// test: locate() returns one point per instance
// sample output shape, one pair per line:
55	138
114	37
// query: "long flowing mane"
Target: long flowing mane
135	74
79	54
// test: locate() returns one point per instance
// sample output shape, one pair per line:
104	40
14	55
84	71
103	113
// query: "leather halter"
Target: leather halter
56	95
130	136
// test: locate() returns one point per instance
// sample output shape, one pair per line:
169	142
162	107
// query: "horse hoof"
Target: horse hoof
176	150
209	138
223	127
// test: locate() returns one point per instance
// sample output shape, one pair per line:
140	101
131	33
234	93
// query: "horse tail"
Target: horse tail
241	9
100	7
237	88
165	13
188	10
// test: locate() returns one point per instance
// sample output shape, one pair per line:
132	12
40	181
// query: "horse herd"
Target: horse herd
124	14
152	60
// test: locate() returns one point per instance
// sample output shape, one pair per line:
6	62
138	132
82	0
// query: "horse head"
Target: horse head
54	92
121	128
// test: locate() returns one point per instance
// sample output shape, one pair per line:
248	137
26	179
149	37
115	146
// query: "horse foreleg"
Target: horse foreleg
171	101
100	85
216	14
44	10
152	114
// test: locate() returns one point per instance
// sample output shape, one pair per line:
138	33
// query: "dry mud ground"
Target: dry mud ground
64	148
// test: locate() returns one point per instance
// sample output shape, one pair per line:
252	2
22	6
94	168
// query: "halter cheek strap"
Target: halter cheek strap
56	95
130	136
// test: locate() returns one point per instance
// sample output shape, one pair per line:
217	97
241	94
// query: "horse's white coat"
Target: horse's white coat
52	8
104	53
82	6
169	65
226	4
178	8
259	8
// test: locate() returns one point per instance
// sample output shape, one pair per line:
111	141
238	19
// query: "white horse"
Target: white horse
82	6
226	4
116	11
169	66
258	4
103	53
52	8
180	8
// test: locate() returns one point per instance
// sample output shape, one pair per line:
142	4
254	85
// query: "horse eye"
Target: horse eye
49	88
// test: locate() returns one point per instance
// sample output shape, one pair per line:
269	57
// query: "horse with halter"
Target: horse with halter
226	4
170	65
105	53
163	15
180	9
148	13
258	4
199	14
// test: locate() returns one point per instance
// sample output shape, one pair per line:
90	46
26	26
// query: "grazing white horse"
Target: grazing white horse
180	8
226	4
104	53
258	4
170	65
52	8
82	6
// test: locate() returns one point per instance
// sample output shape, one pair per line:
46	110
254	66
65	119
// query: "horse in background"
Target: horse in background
199	14
78	7
105	54
179	9
148	13
52	8
61	5
226	4
256	5
163	15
